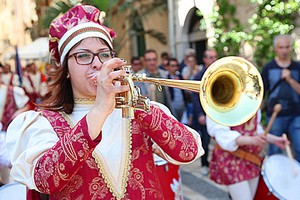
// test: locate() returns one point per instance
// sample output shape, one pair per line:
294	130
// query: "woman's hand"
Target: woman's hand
107	87
280	142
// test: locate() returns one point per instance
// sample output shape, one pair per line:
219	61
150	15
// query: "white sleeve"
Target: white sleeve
223	135
20	98
194	132
26	142
260	130
27	85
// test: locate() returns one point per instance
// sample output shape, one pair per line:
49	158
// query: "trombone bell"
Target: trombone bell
231	90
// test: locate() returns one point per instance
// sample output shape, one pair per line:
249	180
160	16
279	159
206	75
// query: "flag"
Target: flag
18	66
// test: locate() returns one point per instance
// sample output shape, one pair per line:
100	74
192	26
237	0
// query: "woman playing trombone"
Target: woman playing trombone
78	146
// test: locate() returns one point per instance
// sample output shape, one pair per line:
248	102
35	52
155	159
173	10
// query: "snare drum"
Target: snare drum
278	179
169	178
13	191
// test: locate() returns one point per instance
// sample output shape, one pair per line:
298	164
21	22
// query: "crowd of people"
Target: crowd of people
66	140
18	94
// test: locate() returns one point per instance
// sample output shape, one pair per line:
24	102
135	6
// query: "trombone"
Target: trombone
231	91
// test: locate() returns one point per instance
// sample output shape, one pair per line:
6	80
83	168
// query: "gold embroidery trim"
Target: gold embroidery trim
127	165
84	101
67	118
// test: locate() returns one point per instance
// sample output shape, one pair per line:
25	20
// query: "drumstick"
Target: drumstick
276	110
290	156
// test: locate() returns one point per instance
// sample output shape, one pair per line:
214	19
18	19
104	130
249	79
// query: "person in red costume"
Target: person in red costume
78	146
236	159
35	83
12	101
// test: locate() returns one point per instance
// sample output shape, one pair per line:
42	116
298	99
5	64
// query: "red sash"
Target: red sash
10	107
11	79
34	95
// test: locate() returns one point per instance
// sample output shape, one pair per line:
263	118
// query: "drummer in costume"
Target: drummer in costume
12	99
79	146
235	159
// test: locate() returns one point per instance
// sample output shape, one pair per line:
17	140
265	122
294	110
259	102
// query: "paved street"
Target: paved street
199	187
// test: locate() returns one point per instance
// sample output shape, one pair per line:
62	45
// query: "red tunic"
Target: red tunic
228	169
69	172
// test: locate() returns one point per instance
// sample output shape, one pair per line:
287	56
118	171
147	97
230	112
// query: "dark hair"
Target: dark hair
61	97
164	54
134	58
172	59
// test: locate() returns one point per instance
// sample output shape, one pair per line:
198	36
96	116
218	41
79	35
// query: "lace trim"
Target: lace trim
115	193
67	118
84	101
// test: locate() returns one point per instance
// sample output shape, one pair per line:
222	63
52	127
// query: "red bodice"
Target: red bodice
68	170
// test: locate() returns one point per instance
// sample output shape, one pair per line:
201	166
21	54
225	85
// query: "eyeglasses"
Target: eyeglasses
86	58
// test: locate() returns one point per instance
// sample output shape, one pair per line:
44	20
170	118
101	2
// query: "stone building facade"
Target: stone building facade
178	23
16	18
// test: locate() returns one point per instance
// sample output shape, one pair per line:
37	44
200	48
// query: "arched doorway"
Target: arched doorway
196	38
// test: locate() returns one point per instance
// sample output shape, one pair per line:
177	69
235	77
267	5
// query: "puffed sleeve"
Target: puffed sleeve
223	135
38	155
26	142
178	144
20	97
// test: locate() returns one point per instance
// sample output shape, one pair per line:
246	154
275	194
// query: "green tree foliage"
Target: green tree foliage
272	17
134	13
229	32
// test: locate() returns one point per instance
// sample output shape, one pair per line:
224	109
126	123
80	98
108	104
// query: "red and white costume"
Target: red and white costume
10	79
53	153
226	168
35	85
169	178
12	98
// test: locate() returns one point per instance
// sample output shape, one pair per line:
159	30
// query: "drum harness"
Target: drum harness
240	153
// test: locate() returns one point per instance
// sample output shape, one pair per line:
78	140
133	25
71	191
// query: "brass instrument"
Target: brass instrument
230	91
